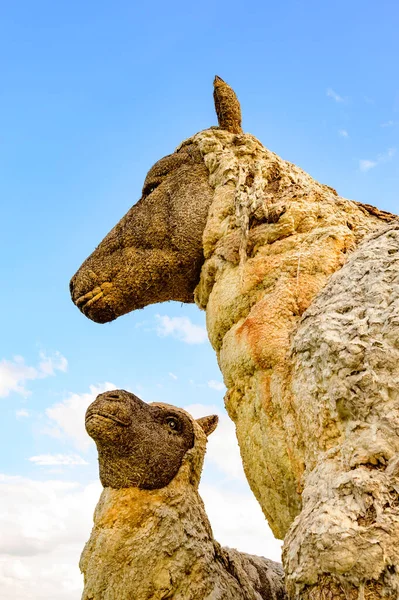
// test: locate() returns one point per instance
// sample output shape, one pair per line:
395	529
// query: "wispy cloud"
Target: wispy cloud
49	364
15	373
388	155
173	376
332	94
389	123
366	164
343	133
216	385
43	460
180	328
22	413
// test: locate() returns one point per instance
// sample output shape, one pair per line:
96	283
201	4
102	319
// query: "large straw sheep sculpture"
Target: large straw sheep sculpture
313	390
151	538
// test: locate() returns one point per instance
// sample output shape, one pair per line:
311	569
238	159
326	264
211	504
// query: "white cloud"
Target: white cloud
173	376
238	522
14	374
21	413
180	328
223	450
67	417
334	95
44	526
216	385
366	165
389	124
343	133
57	459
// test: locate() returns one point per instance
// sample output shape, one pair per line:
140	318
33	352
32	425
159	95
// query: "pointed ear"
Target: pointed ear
208	423
227	107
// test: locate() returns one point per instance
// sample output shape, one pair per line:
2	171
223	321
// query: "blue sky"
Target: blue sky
91	95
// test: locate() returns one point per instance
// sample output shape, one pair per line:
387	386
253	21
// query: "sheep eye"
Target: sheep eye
149	188
172	422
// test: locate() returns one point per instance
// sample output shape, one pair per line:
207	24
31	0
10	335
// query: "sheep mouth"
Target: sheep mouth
107	417
85	301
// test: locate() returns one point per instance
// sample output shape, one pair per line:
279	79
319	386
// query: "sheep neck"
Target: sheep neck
147	543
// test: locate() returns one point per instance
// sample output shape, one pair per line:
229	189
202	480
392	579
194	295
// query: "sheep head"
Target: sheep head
155	253
141	445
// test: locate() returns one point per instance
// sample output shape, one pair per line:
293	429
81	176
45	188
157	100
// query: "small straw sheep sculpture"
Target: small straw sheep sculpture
151	537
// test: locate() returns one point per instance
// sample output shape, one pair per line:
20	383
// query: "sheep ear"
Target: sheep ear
227	107
208	423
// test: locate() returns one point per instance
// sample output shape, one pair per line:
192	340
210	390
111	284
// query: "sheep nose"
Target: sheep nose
115	396
120	396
